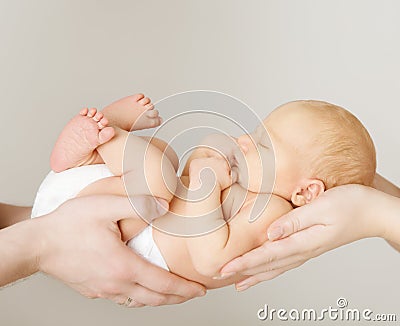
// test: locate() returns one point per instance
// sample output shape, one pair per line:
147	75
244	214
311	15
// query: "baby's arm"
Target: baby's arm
214	249
214	145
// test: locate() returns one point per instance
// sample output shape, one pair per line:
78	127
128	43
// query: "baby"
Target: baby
316	146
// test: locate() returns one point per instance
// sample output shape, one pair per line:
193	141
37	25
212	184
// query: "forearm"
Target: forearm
206	222
381	184
390	206
10	214
199	152
19	250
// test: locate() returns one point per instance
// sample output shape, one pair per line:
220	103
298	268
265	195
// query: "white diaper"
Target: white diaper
145	246
57	188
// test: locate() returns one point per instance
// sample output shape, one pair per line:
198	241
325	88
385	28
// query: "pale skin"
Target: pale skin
53	244
341	215
209	252
291	184
301	189
47	243
311	230
177	251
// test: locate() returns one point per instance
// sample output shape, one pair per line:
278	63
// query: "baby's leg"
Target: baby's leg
78	141
133	112
145	169
165	149
146	208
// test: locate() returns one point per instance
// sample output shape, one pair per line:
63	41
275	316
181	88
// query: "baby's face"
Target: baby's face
290	132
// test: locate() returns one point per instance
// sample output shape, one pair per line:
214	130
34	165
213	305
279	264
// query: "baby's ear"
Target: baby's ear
307	192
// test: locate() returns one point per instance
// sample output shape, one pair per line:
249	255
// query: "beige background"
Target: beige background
57	56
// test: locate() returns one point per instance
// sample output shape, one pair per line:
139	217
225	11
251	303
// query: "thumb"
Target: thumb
296	220
148	207
114	208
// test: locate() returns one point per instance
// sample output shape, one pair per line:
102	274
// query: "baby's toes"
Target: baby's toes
102	123
144	101
98	116
149	106
152	113
92	112
155	122
137	97
84	111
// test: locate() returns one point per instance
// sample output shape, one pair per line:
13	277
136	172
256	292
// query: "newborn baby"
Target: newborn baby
316	146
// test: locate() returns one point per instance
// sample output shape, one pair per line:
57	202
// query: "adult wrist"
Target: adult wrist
19	251
42	243
367	211
390	216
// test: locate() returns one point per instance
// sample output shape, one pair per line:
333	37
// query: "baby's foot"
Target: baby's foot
133	112
77	142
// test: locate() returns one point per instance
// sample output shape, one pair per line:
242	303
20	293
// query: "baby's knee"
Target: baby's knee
161	175
167	150
150	172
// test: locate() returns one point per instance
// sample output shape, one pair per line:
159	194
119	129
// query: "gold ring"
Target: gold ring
128	301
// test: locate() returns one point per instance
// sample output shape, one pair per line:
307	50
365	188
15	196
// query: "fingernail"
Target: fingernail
275	233
201	293
224	276
242	286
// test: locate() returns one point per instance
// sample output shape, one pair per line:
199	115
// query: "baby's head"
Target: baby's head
317	146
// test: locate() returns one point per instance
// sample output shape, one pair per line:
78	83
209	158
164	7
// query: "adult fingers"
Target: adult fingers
115	208
275	265
298	248
278	252
159	280
126	301
250	260
105	207
255	279
254	261
148	207
294	221
143	296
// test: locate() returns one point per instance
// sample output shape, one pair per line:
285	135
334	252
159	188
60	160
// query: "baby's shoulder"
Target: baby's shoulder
237	199
278	206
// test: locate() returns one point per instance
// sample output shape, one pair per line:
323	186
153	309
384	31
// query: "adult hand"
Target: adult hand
339	216
81	245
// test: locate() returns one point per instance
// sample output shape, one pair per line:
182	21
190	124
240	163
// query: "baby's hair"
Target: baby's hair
344	151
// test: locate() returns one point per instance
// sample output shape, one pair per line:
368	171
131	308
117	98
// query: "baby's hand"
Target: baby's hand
211	169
